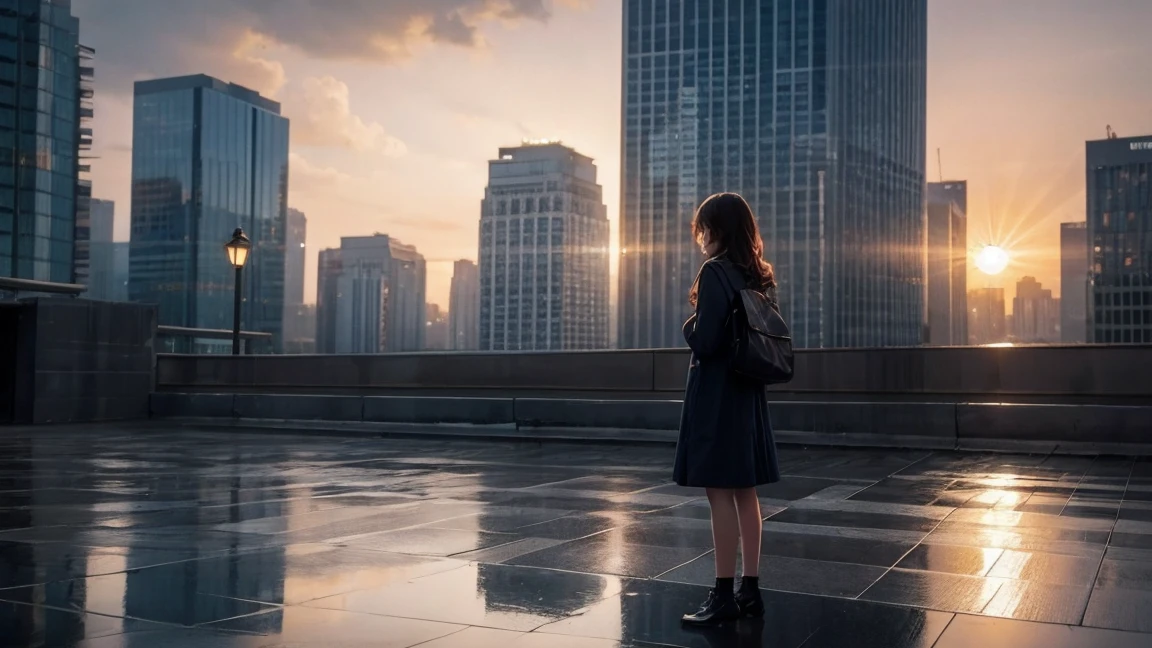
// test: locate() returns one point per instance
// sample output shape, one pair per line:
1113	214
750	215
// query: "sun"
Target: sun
992	260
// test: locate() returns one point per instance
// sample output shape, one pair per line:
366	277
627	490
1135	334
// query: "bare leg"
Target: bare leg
725	530
748	513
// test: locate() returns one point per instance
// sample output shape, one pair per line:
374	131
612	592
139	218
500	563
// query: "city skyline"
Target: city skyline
366	157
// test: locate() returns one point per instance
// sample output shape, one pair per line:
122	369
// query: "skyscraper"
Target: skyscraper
543	252
1074	282
464	307
370	297
294	255
436	333
814	110
987	323
101	251
44	72
207	157
299	322
947	264
1119	231
1035	313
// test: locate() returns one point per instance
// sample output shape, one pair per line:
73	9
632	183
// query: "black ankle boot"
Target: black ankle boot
749	598
717	608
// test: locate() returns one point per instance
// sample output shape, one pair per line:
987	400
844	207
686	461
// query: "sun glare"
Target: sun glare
992	260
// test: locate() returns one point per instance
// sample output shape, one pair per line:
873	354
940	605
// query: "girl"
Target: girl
725	443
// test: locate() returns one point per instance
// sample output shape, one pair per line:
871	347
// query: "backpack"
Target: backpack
761	343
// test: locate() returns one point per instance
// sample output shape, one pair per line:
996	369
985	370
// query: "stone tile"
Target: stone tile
573	527
489	638
305	626
854	519
1120	609
28	624
789	575
878	553
1052	569
610	553
493	596
1125	574
949	559
967	631
177	638
948	592
506	552
648	613
1037	601
430	541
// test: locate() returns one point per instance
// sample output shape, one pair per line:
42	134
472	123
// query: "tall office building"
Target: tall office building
45	75
1119	231
208	157
299	322
294	256
987	323
543	252
814	110
1035	313
329	267
464	307
436	332
1074	283
370	297
947	255
101	251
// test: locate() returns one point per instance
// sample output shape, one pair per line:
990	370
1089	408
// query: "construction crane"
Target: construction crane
1111	133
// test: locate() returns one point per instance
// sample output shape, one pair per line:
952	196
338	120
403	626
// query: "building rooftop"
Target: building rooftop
172	84
163	535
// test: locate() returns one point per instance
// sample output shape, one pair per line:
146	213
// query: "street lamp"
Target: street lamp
237	249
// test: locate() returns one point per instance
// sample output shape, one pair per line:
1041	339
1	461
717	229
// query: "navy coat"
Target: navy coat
725	433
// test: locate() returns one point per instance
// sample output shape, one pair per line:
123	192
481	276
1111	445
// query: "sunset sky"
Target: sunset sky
396	105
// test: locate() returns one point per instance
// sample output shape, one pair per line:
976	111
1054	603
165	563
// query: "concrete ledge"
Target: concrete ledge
417	409
303	408
164	405
1098	424
935	421
635	415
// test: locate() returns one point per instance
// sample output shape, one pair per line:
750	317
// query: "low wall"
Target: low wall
961	373
1046	428
76	360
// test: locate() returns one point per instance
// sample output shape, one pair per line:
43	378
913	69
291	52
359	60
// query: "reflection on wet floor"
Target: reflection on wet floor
179	537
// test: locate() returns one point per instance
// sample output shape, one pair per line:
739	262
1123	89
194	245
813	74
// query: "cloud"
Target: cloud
321	115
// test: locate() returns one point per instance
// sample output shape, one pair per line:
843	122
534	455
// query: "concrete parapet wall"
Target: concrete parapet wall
961	373
1092	428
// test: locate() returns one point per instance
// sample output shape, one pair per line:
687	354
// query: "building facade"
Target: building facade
947	255
208	157
102	251
46	75
1120	240
299	320
987	322
813	110
543	252
295	234
370	297
437	336
1074	283
464	307
1035	313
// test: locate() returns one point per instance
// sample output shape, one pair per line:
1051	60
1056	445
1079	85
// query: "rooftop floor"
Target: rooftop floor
160	536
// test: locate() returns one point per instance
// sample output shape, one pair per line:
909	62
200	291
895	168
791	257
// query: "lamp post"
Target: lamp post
237	250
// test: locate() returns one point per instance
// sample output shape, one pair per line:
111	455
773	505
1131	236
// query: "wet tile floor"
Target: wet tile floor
178	537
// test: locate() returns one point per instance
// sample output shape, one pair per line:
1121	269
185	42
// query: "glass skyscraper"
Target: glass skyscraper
42	66
1120	236
814	110
207	157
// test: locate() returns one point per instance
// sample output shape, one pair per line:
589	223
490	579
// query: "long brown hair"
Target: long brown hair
728	219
